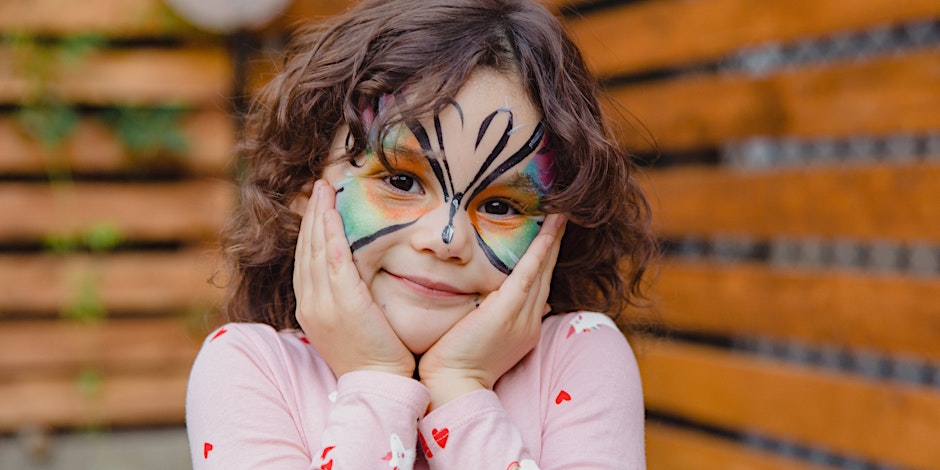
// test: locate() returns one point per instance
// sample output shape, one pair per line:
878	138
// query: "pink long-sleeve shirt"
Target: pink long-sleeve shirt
259	398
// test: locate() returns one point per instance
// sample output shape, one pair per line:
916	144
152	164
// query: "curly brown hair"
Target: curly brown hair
333	70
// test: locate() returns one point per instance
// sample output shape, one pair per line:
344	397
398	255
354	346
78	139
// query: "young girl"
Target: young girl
433	211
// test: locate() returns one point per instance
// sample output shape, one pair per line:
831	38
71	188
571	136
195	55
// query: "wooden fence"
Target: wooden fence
792	152
116	145
796	190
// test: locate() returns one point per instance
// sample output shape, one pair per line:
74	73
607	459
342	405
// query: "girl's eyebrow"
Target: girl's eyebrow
520	179
405	151
421	135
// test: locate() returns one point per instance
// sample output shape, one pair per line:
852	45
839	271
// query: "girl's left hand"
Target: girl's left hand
492	338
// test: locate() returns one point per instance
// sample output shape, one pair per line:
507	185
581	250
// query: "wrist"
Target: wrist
443	390
388	369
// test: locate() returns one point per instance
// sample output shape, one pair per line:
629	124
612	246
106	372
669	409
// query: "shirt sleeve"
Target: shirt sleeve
473	431
592	409
253	402
595	415
374	421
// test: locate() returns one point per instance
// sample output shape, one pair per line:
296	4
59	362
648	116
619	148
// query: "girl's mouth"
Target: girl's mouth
429	286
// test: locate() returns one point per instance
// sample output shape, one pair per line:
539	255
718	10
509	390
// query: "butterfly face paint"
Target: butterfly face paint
502	198
435	231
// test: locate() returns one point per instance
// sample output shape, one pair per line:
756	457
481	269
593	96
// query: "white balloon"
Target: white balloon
224	16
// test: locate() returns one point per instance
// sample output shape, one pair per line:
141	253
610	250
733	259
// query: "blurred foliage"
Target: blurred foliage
148	132
49	123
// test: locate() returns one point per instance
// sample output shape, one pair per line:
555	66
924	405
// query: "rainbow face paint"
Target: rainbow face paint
502	201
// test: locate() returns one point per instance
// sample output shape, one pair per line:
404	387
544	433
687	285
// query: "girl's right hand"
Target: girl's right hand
334	305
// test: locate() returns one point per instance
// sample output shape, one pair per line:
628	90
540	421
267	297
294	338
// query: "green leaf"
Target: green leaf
90	382
72	49
86	306
149	132
48	123
61	242
103	236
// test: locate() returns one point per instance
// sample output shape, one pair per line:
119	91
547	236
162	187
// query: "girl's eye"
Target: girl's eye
403	183
497	207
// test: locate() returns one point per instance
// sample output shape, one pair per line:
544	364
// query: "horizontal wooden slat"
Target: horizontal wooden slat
879	421
123	282
114	346
192	76
307	10
813	306
878	202
670	447
94	148
120	400
143	212
881	96
106	17
642	36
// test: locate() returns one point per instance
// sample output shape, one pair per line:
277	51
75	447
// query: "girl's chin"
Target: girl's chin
421	323
419	342
420	332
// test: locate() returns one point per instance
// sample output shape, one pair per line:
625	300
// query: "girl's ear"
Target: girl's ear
298	204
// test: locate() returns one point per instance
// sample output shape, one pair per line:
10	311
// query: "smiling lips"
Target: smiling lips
429	287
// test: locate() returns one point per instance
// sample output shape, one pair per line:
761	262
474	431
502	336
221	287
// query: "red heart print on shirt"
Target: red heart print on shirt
424	446
440	436
206	448
221	332
328	465
562	396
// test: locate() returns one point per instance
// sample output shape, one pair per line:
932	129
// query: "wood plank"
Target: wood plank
316	10
121	18
641	36
879	421
812	306
120	400
143	76
671	447
877	97
189	210
114	346
868	203
124	282
93	147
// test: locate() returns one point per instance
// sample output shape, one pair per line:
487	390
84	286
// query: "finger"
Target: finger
520	292
537	254
515	292
306	226
304	237
536	306
342	274
325	201
316	264
548	264
317	237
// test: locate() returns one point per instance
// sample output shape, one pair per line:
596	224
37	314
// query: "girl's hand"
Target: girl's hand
491	339
334	305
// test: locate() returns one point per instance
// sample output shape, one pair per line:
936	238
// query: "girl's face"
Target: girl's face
441	228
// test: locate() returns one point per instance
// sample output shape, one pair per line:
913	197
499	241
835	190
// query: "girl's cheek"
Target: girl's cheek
365	212
508	244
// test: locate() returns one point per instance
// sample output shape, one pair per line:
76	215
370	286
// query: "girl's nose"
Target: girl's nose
445	232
